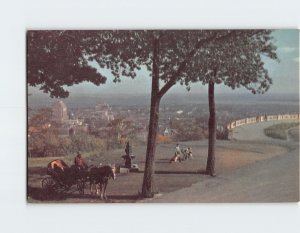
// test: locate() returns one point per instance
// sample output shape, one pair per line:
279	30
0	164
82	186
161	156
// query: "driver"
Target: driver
79	162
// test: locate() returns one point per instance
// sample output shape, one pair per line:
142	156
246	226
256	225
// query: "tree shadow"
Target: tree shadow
40	194
124	197
162	161
44	195
202	172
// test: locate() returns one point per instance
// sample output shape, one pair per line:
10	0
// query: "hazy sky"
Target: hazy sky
285	74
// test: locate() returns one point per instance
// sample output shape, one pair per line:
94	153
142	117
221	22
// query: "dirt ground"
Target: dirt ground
169	177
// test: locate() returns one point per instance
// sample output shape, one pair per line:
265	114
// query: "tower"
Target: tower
59	112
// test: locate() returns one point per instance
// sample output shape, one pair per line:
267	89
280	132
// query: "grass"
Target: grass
279	131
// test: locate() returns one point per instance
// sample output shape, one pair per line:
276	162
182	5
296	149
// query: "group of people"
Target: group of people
79	163
181	154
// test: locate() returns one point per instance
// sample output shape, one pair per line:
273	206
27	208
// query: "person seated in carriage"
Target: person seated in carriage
57	169
79	162
57	166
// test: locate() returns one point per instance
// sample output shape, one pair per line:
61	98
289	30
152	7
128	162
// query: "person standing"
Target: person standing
177	150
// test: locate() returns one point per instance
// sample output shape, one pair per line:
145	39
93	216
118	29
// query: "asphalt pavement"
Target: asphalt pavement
272	180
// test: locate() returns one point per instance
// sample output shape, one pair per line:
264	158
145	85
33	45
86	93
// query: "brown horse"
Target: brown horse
100	176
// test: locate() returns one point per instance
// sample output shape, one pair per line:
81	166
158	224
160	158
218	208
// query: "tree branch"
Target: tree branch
173	79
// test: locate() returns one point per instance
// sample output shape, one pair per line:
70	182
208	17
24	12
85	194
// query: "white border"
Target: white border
18	16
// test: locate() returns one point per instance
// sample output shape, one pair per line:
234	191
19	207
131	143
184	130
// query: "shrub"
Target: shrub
163	139
279	130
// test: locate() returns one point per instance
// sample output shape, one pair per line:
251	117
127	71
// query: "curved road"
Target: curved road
273	180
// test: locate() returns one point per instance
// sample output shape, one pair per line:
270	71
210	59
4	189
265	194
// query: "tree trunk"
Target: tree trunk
210	165
148	189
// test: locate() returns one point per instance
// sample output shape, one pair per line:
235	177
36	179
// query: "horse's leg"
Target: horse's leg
105	185
97	189
101	190
92	184
91	188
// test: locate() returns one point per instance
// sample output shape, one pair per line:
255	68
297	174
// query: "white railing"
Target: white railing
263	118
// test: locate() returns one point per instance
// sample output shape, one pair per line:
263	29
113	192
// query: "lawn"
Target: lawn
279	131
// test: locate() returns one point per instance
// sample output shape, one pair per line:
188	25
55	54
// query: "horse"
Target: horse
100	176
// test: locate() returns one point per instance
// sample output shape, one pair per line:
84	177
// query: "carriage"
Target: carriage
62	178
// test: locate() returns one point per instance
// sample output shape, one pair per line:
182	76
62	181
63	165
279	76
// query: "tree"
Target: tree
167	54
56	59
236	63
121	129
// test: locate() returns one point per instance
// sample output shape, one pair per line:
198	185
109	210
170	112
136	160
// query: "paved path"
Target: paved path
273	180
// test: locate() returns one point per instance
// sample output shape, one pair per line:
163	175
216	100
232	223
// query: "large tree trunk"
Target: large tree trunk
148	183
210	165
148	189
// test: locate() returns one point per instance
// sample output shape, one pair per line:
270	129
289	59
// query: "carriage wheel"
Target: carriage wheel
81	186
48	184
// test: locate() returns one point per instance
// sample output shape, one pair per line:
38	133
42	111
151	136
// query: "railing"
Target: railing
263	118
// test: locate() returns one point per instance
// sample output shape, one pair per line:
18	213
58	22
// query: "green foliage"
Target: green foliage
122	130
50	144
279	130
237	62
42	117
57	58
222	135
187	131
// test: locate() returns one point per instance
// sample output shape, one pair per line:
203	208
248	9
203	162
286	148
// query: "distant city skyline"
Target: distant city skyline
285	74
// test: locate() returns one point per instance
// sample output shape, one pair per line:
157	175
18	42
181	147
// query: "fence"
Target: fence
263	118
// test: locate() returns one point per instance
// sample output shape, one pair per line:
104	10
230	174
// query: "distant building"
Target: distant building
71	116
167	132
59	112
103	110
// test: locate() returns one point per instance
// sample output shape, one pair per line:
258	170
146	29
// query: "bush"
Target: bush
163	139
279	130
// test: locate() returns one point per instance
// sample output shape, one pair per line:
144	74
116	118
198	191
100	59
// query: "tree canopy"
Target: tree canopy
238	62
56	59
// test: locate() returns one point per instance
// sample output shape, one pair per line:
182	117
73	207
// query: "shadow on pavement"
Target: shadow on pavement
181	172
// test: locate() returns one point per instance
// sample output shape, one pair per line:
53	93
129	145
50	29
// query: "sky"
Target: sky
285	74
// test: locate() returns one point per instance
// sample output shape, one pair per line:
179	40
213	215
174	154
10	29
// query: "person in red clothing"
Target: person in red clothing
79	162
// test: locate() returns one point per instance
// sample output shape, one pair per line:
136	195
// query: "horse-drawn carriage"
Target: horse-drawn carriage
63	178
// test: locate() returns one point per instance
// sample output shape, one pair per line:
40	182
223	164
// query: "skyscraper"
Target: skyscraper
59	112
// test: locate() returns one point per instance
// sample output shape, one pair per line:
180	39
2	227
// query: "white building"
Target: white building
59	112
103	110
